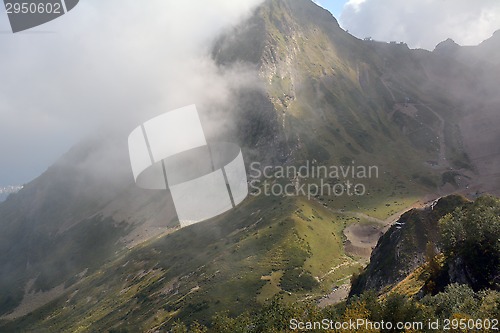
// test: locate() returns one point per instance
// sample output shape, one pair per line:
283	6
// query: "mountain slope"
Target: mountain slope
480	102
71	220
230	260
402	249
452	241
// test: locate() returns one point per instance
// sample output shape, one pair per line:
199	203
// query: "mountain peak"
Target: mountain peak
447	46
493	40
309	11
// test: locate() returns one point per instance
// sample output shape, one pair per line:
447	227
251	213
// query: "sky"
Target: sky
115	59
419	23
103	62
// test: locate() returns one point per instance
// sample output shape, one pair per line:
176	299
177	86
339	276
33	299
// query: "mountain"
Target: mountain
454	241
435	264
403	248
485	53
6	190
479	102
86	250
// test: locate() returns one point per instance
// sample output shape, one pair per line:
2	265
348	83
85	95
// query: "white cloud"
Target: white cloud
422	23
122	60
354	4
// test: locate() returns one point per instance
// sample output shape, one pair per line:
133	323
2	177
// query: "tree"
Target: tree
470	241
355	311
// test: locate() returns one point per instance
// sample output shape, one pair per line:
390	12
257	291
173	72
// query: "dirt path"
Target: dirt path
336	296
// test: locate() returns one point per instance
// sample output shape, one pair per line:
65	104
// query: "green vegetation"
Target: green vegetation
470	241
296	280
250	268
238	261
457	301
470	232
82	250
455	241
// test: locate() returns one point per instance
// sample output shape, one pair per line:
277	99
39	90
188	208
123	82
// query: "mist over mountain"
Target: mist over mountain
6	190
85	249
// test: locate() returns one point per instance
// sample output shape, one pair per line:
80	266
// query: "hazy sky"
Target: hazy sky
419	23
114	59
104	61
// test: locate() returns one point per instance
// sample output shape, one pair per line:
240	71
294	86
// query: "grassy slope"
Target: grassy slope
207	268
326	87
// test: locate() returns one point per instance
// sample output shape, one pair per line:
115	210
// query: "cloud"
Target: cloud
354	4
105	61
422	24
